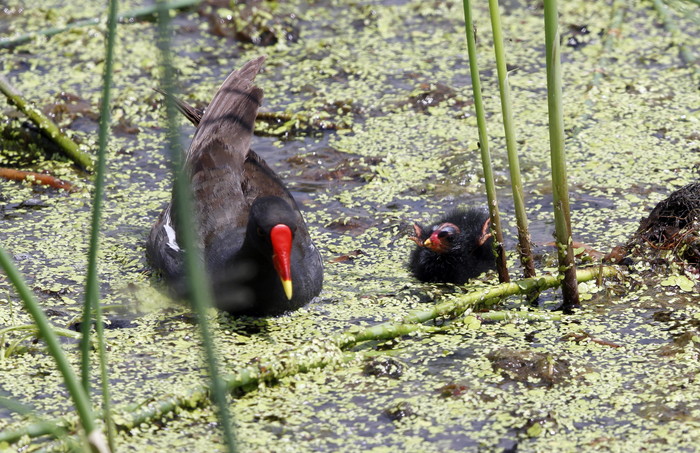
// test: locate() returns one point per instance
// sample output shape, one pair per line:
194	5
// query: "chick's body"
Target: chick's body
454	249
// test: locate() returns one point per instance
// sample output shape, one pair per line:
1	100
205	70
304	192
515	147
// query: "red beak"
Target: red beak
435	244
281	238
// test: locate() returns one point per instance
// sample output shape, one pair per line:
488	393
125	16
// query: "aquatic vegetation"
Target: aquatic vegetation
629	140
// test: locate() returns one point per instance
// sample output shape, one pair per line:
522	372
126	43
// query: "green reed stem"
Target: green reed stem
484	146
199	288
562	219
524	246
685	52
47	127
610	39
131	14
70	379
92	286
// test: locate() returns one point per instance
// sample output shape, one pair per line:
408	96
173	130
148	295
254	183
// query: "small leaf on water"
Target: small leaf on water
681	281
685	283
535	430
472	322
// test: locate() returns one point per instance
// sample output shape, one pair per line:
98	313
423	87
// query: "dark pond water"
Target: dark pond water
396	74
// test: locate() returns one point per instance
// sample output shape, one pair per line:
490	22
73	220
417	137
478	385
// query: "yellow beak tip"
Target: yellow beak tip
427	243
287	286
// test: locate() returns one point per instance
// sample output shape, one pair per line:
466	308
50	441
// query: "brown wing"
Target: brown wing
216	158
230	116
240	81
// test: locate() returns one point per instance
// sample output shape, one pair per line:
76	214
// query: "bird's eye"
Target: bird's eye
445	236
446	233
260	232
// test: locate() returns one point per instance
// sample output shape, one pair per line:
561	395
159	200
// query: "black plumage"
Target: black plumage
454	249
255	244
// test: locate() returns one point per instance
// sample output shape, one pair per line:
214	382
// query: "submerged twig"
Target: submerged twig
29	330
610	38
585	336
33	177
520	315
124	17
47	127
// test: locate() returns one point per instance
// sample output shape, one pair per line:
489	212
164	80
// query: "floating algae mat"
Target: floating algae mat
379	132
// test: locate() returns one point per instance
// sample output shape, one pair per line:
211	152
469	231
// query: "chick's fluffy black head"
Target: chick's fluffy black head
454	249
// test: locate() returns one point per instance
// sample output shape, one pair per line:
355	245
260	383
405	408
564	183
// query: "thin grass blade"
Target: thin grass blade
199	287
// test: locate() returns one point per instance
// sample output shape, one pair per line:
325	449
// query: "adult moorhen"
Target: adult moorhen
255	244
454	249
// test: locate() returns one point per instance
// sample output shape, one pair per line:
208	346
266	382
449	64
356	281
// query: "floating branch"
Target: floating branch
125	17
37	178
47	127
321	353
55	430
482	298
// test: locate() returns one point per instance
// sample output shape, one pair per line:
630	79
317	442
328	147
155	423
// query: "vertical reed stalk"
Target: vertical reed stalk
484	147
524	246
684	51
197	281
562	220
70	379
92	291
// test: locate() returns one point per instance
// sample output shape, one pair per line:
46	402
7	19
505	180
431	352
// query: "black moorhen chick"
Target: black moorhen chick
255	244
454	249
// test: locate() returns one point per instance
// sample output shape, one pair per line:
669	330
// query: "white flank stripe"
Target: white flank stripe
172	241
